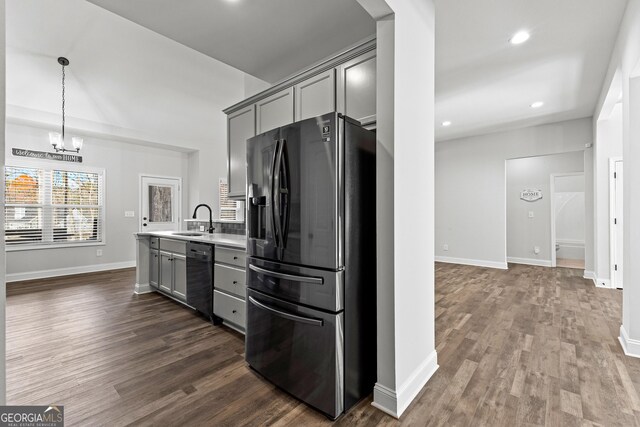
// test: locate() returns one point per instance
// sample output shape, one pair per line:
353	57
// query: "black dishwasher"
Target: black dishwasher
200	278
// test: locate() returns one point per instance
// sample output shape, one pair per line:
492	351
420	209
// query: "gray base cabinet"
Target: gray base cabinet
172	277
154	268
230	286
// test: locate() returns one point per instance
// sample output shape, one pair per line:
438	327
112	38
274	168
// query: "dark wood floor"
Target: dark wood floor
528	346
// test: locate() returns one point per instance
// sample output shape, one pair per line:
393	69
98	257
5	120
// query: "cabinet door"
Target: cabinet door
275	111
154	268
241	126
316	96
166	272
179	276
357	88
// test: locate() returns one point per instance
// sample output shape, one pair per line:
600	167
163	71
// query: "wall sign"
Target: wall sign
531	195
46	156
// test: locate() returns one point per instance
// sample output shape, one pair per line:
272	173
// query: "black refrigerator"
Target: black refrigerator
311	266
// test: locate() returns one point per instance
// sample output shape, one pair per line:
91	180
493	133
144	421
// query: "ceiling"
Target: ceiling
267	39
483	83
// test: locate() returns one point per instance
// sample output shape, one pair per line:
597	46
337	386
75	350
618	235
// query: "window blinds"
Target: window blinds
53	206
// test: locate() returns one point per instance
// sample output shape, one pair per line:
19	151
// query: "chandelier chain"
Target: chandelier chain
63	75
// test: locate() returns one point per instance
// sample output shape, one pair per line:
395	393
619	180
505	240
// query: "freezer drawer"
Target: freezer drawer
298	349
308	286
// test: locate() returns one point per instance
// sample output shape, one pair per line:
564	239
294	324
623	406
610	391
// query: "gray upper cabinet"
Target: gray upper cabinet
275	111
316	96
357	88
241	125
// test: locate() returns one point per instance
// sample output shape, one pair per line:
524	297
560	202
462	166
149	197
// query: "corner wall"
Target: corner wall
470	204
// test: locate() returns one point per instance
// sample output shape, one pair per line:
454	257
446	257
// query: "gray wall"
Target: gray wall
524	233
123	163
470	187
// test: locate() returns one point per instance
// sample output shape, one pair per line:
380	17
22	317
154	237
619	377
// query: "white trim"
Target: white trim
37	247
571	242
474	262
612	215
395	403
630	346
139	289
56	272
530	261
590	275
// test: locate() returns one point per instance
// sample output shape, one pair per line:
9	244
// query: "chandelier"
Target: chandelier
57	139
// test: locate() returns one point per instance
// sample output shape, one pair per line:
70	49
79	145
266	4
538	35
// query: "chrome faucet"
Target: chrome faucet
210	215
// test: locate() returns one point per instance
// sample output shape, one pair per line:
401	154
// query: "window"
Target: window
230	210
53	206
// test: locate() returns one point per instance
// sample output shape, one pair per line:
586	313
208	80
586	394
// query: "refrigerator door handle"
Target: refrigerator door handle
272	185
277	177
285	315
283	191
285	276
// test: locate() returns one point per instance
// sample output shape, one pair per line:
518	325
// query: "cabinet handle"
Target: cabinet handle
235	257
234	311
235	282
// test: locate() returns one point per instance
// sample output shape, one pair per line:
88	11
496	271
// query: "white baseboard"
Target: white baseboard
43	274
630	346
598	282
530	261
394	402
139	289
474	262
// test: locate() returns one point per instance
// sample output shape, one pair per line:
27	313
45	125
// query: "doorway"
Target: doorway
616	217
568	220
160	203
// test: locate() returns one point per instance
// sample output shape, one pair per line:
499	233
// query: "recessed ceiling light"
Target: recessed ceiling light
519	37
446	123
537	104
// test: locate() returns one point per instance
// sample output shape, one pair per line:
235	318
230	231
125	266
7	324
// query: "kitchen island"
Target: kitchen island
164	265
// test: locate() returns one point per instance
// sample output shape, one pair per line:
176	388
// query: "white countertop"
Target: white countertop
232	240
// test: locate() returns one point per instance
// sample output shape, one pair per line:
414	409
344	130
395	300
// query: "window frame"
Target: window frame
238	210
63	166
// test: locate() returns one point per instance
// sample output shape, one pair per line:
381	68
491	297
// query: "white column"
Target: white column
3	258
630	329
406	353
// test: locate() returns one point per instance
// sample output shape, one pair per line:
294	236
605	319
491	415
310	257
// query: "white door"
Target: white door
160	203
617	220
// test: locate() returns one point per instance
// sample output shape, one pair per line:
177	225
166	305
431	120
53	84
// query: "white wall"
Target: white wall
525	233
124	82
470	203
123	163
625	63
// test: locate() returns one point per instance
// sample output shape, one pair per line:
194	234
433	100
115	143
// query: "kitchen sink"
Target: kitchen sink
188	234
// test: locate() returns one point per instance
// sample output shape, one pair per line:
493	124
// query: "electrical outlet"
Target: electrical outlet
530	214
202	228
536	250
129	214
445	247
98	252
